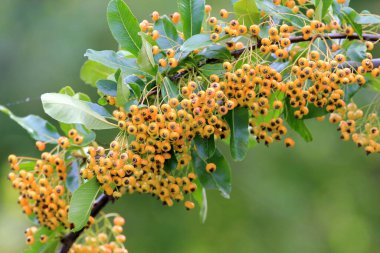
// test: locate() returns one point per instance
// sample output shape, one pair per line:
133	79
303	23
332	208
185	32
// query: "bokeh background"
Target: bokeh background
321	197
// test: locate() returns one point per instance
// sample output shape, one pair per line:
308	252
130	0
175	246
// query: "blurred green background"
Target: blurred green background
320	197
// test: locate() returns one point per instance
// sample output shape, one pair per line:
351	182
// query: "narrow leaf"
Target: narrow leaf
124	26
238	121
169	89
122	94
192	14
145	58
81	203
350	16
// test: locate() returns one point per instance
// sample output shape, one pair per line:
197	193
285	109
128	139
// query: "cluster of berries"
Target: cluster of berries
103	237
361	127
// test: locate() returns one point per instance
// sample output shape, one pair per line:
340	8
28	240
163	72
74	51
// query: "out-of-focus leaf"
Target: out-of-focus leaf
356	51
212	69
196	42
67	90
116	61
37	127
247	12
367	19
282	12
216	52
350	16
322	8
107	87
200	197
93	71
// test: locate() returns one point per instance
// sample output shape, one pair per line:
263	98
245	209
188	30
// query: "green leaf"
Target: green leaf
172	163
169	37
373	81
216	52
67	90
238	120
169	90
200	197
27	166
212	69
205	147
272	112
38	246
315	112
350	91
38	128
220	179
367	19
107	87
115	61
299	20
196	42
88	135
145	58
81	203
297	125
124	26
82	96
73	179
322	8
122	94
192	14
356	51
93	71
350	16
247	12
67	109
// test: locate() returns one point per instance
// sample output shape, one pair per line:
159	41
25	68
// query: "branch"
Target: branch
329	36
102	201
69	239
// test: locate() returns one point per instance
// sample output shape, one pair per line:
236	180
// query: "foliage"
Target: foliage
179	84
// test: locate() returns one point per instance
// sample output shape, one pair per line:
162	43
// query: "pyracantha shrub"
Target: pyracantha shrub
179	86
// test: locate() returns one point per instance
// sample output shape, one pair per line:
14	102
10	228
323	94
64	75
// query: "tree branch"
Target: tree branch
329	36
69	239
103	200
